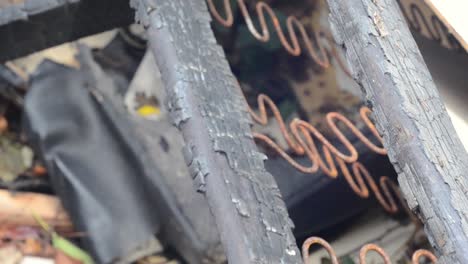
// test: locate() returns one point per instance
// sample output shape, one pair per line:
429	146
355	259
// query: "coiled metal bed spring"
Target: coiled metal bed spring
293	25
301	138
417	256
300	127
301	135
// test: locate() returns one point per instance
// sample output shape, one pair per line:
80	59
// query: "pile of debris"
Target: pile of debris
66	116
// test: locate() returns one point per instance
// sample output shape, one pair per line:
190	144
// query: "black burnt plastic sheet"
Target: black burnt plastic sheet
95	166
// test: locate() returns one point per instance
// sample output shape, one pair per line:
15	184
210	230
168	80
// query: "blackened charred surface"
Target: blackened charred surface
208	106
190	229
186	225
39	24
416	128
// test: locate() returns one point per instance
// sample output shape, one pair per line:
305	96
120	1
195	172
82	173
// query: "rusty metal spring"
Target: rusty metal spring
299	127
293	25
301	137
418	255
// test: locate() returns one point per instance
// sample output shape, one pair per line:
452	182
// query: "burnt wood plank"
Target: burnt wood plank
417	131
33	25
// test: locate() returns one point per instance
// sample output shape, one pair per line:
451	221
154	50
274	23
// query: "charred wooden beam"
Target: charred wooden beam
206	104
417	131
33	25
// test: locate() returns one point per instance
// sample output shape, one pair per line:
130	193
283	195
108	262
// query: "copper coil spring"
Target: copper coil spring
293	26
299	127
418	255
301	137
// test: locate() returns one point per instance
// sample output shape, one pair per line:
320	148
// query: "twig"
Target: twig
16	209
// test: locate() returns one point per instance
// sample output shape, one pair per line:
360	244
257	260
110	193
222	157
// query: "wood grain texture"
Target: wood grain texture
417	131
207	105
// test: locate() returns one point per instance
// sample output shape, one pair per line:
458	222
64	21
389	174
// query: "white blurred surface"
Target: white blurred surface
449	70
36	260
454	11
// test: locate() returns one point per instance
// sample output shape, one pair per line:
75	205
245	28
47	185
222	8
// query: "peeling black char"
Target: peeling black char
207	105
421	141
